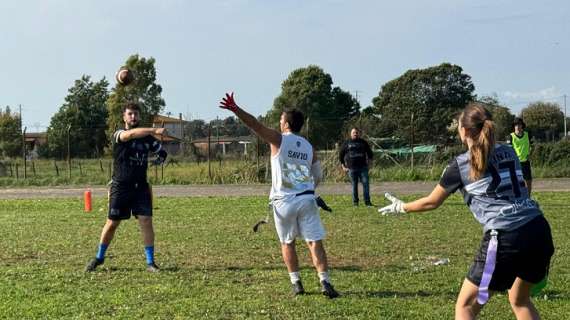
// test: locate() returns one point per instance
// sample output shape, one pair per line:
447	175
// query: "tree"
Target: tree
144	90
10	133
325	108
423	102
502	117
196	129
84	114
544	120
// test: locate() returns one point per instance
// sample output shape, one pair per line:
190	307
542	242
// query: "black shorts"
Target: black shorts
524	252
127	199
527	173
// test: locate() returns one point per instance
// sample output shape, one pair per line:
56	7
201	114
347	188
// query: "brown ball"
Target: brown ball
124	76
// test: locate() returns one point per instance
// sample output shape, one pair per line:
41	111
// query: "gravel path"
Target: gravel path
562	184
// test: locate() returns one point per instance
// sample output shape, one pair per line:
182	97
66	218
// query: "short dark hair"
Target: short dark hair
519	122
131	106
295	119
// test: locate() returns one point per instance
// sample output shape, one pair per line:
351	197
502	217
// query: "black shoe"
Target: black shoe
152	268
328	290
369	204
298	288
92	265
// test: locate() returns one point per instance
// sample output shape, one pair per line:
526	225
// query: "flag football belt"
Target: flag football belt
305	192
490	262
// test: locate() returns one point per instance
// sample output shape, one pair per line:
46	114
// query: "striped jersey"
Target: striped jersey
499	199
291	167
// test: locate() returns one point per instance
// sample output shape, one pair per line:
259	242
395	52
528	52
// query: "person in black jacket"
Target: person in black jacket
356	157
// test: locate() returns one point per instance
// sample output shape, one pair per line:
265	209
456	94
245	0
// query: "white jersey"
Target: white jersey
291	167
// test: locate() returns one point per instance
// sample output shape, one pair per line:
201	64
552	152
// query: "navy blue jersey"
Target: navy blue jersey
130	158
499	199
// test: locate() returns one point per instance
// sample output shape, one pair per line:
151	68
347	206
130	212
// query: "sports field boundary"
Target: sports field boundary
228	190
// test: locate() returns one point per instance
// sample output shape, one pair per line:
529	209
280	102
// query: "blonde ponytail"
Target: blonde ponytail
481	149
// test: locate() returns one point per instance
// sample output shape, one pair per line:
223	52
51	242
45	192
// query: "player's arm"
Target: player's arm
369	154
316	169
136	133
267	134
449	183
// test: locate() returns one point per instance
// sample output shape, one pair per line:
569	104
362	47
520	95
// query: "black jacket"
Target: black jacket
354	154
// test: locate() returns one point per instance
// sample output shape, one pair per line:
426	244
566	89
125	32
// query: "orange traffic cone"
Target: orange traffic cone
87	200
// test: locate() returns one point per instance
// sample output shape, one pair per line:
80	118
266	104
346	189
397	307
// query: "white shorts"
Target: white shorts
298	216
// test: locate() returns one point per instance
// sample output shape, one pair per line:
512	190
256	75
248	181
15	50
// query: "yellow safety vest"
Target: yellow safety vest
521	146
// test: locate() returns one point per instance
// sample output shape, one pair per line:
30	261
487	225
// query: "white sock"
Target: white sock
294	276
324	276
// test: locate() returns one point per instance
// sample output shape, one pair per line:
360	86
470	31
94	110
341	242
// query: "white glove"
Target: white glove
397	205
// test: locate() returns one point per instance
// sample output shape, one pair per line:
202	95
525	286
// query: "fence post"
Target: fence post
17	174
24	152
56	168
101	165
109	171
34	168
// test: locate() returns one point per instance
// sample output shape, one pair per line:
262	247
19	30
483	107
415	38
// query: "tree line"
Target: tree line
418	107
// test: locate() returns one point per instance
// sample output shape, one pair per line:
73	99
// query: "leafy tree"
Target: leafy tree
544	120
10	133
234	128
502	116
424	100
144	90
196	129
84	113
325	108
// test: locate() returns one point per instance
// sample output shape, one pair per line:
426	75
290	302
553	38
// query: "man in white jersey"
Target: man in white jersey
295	171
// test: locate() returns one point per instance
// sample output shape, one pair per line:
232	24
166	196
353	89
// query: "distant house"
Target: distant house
173	142
33	141
223	144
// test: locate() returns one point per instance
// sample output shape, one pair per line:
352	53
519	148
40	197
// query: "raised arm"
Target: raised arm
139	133
271	136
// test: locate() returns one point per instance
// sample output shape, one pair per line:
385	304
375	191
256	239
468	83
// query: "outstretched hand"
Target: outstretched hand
229	103
397	205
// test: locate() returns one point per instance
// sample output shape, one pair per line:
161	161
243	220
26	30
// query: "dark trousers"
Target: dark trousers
362	175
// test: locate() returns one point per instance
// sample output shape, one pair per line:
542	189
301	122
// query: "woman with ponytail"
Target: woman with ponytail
517	244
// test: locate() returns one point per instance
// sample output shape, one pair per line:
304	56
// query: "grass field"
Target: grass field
215	267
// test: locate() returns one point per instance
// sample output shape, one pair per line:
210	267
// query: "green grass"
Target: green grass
215	267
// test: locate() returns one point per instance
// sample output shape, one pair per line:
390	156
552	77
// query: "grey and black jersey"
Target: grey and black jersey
130	158
499	199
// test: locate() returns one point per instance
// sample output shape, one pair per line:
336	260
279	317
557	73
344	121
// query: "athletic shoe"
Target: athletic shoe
92	265
298	288
152	268
328	290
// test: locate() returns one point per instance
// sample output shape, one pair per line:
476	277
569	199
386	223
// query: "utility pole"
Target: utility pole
565	129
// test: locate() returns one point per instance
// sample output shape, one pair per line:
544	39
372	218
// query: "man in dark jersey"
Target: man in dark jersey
130	192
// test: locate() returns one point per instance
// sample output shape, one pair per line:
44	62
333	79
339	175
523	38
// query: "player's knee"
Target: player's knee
518	300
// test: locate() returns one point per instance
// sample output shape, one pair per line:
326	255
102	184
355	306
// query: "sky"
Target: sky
518	50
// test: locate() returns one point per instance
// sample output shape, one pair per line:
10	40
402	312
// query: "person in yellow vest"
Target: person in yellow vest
520	140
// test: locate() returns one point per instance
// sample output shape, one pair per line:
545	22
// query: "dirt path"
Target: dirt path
251	190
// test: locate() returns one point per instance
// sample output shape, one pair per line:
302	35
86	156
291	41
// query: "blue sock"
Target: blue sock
149	251
101	252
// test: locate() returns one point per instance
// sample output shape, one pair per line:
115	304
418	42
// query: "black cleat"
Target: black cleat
328	290
322	204
298	288
152	268
92	265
